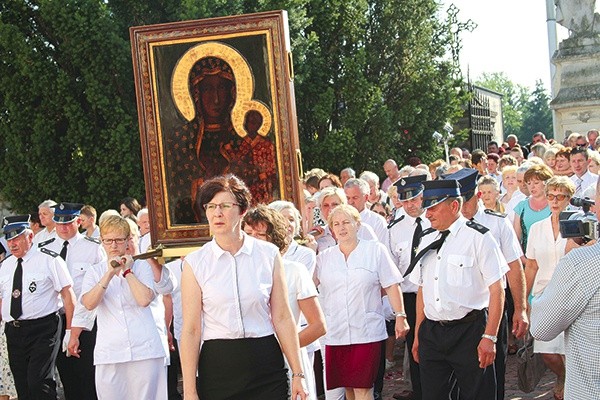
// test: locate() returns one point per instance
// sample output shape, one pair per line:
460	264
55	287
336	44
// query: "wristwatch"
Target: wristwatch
399	314
491	337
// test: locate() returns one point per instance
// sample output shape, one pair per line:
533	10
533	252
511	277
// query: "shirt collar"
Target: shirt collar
457	225
247	245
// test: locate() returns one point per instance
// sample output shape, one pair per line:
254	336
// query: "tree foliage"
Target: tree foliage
524	112
372	82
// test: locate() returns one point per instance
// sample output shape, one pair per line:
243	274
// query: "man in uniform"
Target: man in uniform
30	284
405	236
460	298
80	252
505	235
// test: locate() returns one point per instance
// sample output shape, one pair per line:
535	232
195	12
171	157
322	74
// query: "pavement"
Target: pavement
395	383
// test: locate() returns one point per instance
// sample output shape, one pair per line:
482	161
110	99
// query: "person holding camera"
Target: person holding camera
545	248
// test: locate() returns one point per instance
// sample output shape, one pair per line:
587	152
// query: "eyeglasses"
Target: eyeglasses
559	197
108	242
223	206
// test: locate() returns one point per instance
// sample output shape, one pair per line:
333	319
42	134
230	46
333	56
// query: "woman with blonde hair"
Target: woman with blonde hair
129	355
350	277
545	248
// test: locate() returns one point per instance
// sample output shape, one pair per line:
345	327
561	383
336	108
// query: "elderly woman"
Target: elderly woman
267	224
489	191
350	277
376	195
545	248
535	207
234	301
129	355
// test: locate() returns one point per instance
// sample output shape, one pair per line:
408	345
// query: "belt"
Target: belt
18	323
470	317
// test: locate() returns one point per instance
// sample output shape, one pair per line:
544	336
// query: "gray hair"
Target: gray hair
524	167
280	205
370	177
360	183
334	191
350	172
48	204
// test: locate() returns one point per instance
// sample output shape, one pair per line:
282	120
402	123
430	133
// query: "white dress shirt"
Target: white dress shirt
236	289
176	267
456	279
44	276
303	255
365	232
583	182
350	292
82	253
43	235
126	331
546	251
401	237
502	230
379	225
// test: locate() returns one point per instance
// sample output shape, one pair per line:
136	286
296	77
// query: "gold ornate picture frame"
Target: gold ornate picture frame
214	97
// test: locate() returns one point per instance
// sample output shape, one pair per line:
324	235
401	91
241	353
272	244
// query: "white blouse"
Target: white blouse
236	289
350	292
546	251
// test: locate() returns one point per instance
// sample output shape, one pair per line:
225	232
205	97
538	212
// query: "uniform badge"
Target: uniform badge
32	287
403	182
16	293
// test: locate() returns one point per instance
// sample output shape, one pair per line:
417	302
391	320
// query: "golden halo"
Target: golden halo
244	81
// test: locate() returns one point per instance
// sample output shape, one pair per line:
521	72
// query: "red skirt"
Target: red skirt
353	365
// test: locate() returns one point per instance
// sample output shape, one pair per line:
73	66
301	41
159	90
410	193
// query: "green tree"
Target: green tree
537	116
514	98
376	83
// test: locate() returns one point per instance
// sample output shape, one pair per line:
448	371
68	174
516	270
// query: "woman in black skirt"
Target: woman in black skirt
234	300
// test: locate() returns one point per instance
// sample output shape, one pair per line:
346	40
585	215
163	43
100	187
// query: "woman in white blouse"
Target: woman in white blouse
545	248
350	277
266	224
129	356
234	300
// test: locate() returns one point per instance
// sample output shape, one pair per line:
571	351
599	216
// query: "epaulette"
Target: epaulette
428	231
394	222
478	227
45	242
495	213
91	239
49	252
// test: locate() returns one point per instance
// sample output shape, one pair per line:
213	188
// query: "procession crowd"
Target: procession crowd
463	258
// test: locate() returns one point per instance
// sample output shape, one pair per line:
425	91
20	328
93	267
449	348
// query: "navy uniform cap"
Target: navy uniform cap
410	187
467	177
437	191
66	212
15	225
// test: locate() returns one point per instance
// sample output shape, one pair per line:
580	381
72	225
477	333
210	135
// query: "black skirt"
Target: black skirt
248	369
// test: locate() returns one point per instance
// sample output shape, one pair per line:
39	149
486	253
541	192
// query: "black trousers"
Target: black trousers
32	349
410	307
452	349
173	372
78	375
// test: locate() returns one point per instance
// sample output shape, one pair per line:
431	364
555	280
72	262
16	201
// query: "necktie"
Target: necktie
16	306
435	245
416	238
579	183
63	252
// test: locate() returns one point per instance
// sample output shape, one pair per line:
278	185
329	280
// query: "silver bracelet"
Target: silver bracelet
298	375
399	314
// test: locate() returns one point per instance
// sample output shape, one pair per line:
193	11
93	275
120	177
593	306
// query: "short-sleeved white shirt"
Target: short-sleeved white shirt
350	292
126	331
378	223
365	232
546	251
236	289
401	237
300	286
44	276
176	268
82	253
303	255
456	279
504	233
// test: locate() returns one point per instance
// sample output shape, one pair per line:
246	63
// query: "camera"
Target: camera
579	224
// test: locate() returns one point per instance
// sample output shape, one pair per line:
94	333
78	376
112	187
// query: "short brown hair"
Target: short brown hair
227	183
564	152
277	226
538	171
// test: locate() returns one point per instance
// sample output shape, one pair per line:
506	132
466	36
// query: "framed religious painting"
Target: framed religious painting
215	97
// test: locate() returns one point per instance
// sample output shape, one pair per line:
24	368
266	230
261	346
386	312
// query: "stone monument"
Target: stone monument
576	102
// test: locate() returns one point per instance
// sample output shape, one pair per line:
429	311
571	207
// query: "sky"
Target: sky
511	37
